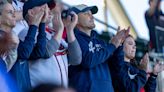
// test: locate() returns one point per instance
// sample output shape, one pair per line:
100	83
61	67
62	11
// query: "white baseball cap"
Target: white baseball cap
83	8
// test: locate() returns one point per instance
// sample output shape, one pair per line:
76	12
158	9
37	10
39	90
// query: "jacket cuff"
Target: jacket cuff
153	75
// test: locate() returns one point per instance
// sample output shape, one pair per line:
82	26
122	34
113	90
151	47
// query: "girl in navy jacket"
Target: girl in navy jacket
125	76
129	76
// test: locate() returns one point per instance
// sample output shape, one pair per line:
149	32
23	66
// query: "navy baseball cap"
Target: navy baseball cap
83	8
33	3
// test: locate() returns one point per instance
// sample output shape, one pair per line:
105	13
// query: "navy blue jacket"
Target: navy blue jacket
151	84
3	68
28	50
7	83
125	76
151	22
93	74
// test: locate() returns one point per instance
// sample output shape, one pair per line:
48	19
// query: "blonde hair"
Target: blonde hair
6	42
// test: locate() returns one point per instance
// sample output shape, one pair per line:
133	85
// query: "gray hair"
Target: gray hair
2	3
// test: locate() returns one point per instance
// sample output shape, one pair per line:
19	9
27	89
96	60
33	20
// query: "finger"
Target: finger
32	12
40	14
47	11
161	68
122	34
44	6
55	18
57	15
141	60
160	64
36	9
156	64
146	58
29	13
58	18
75	17
128	31
118	29
69	18
119	32
146	54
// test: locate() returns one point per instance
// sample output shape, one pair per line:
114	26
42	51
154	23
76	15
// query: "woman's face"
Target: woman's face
8	16
129	48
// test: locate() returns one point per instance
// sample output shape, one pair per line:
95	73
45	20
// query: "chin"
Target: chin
12	26
131	57
93	26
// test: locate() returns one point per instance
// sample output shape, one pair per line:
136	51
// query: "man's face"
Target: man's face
7	16
86	20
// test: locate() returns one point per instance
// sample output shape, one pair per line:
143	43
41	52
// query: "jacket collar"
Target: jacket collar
93	33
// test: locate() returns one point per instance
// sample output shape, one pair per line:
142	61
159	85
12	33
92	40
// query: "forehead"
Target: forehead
129	39
82	13
8	6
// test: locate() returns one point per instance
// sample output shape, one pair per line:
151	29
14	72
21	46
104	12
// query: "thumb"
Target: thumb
128	31
118	29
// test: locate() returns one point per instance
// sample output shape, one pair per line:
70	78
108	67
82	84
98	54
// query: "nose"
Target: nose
134	47
14	14
91	16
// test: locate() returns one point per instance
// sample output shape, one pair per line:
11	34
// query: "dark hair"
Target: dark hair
128	37
134	62
150	1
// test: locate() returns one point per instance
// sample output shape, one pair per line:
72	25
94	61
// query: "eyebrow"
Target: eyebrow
9	10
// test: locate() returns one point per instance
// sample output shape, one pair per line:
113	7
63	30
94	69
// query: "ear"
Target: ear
78	22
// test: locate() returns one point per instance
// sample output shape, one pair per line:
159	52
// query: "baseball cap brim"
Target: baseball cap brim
93	9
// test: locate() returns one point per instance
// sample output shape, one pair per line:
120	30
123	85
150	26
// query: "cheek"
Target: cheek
82	22
4	21
126	50
10	22
7	19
